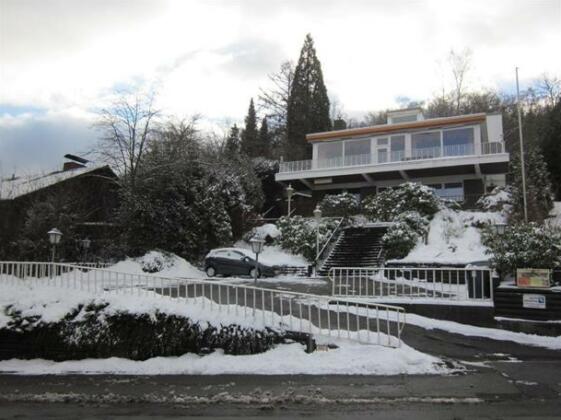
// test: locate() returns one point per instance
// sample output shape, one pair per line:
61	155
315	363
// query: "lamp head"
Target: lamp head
54	236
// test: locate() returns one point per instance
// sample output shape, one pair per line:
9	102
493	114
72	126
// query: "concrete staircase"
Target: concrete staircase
356	247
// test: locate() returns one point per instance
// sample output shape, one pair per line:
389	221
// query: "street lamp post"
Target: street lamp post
256	247
317	216
289	193
55	236
85	246
499	228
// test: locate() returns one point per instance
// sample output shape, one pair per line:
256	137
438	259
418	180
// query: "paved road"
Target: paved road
502	390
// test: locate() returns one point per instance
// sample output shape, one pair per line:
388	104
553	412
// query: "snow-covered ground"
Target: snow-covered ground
287	359
170	265
53	303
167	265
474	331
453	239
274	255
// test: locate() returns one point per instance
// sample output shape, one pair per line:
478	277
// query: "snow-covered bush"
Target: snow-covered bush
298	235
92	330
415	221
399	240
500	199
410	196
268	232
525	245
343	205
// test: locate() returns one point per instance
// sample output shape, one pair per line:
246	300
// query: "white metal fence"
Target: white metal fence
290	311
445	283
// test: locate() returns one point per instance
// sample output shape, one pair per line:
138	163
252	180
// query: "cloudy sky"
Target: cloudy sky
60	60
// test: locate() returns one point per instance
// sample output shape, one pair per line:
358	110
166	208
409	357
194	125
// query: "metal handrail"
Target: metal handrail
328	240
445	151
285	310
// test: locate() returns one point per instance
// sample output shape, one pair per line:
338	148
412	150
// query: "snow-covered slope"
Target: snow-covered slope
453	238
275	255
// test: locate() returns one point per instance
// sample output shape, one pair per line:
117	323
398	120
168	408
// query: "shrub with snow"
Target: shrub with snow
524	245
340	205
500	199
410	196
399	240
298	235
93	330
415	221
268	232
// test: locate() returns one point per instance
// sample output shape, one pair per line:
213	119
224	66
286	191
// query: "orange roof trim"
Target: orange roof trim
391	128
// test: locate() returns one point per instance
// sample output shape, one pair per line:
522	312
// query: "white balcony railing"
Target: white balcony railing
393	156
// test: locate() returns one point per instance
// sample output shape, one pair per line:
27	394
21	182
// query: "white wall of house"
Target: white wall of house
494	124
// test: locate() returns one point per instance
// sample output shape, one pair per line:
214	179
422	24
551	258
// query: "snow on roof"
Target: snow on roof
20	186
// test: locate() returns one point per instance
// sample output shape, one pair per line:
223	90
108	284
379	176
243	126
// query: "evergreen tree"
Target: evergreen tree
232	146
265	139
551	144
250	136
308	106
538	187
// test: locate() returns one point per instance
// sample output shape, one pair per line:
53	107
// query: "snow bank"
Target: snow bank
158	263
267	230
475	331
274	255
288	359
453	238
51	304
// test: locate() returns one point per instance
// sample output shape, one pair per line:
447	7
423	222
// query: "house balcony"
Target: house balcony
462	159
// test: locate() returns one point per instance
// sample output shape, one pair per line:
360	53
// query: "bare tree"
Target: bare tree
274	101
127	127
460	64
549	87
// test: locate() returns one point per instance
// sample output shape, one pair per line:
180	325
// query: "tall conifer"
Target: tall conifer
250	135
308	106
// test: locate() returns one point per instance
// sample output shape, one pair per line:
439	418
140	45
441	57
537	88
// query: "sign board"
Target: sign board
533	277
533	301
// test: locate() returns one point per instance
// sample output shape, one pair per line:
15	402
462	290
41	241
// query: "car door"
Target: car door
220	262
242	267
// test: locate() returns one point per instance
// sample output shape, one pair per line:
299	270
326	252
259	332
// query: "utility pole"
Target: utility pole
522	165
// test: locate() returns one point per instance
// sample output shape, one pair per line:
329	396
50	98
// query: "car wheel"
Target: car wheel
210	271
252	273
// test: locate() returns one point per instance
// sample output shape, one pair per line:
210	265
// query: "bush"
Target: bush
525	245
415	221
298	235
500	199
399	240
90	332
390	203
340	205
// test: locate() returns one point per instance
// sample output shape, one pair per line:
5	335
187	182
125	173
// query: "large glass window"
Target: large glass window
397	145
425	145
458	142
357	152
330	154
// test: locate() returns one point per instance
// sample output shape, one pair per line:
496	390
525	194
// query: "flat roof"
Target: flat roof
391	128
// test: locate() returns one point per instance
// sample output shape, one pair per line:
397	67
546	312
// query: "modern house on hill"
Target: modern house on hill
461	157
